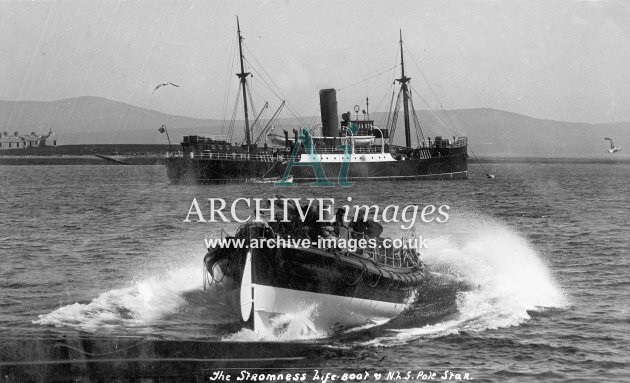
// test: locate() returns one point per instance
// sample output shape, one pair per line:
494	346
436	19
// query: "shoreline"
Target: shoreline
548	160
80	160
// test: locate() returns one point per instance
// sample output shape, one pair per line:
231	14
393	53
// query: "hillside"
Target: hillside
87	120
498	133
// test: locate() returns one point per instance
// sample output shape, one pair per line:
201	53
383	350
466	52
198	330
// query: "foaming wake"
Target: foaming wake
285	327
506	278
495	275
140	305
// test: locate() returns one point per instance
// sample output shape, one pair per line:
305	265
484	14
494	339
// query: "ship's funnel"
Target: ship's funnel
328	106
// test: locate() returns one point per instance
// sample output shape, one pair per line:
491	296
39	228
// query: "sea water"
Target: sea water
529	277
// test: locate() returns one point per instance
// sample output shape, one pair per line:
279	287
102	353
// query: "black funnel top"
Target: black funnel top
328	106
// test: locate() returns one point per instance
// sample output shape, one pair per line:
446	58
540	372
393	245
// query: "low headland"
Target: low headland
88	154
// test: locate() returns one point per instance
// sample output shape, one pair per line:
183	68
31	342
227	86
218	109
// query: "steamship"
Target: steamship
353	148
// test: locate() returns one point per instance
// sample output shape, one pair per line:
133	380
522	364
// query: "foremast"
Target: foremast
403	84
243	78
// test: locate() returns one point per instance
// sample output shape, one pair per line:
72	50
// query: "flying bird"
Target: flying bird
164	84
613	148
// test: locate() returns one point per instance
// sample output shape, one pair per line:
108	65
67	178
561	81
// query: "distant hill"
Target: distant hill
95	120
491	132
494	132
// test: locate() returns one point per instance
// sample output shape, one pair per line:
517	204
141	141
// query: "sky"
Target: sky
561	60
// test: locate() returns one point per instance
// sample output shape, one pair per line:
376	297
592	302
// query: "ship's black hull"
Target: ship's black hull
451	163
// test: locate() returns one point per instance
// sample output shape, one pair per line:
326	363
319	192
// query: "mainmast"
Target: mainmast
403	81
243	76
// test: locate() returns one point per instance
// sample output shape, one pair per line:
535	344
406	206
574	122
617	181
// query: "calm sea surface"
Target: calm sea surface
530	275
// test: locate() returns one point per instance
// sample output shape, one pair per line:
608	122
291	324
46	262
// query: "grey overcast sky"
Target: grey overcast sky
563	60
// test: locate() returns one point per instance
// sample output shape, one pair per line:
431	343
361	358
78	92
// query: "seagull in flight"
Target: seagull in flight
164	84
613	148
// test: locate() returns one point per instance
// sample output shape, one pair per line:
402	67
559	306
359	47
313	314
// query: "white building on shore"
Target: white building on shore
17	141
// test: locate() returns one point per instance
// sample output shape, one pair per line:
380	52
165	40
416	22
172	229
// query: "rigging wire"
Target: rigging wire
260	118
258	122
268	86
385	94
392	116
266	128
262	78
254	113
430	109
234	111
394	120
454	128
416	121
389	111
378	105
379	76
228	86
454	131
367	78
311	124
431	88
391	75
276	93
375	77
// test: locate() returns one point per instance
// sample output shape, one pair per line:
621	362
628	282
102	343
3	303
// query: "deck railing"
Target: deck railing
445	143
424	151
230	156
402	257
